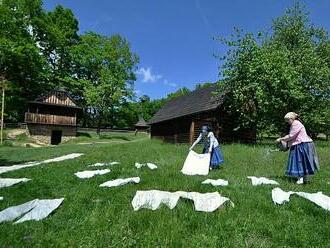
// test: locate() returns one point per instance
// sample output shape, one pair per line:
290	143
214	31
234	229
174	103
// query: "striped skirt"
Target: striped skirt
216	157
302	160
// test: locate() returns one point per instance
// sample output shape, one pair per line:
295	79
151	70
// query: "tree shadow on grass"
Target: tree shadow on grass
82	134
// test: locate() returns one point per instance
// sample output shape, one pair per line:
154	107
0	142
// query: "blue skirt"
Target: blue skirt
216	157
302	160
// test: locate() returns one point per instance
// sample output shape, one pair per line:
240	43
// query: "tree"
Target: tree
269	75
105	66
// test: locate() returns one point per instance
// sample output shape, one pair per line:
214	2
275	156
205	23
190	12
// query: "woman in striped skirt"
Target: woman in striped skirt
303	159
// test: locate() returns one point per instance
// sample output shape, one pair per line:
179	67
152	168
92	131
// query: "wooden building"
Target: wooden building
180	120
141	125
52	118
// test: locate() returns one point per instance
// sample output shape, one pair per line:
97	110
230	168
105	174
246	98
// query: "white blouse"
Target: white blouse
212	139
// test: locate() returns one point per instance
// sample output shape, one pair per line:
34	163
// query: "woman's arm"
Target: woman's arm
211	137
196	142
294	131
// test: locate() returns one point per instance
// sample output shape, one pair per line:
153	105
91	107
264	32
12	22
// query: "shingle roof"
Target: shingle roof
195	102
141	122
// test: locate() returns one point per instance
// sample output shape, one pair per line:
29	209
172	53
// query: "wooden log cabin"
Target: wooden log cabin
141	125
52	118
180	120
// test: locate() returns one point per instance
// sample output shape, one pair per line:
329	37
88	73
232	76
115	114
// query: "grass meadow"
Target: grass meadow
91	216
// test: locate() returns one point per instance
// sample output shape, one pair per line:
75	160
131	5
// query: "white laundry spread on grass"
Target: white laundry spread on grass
103	164
4	169
152	199
218	182
7	182
262	180
91	173
196	164
279	197
32	210
120	181
149	165
1	198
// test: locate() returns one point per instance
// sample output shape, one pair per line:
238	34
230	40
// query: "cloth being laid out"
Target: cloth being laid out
196	164
149	165
218	182
32	210
91	173
4	169
152	199
103	164
262	180
279	197
7	182
120	181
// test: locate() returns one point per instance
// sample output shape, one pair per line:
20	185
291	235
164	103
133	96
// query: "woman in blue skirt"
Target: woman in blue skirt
211	145
303	159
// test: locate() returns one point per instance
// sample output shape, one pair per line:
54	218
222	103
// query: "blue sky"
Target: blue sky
174	38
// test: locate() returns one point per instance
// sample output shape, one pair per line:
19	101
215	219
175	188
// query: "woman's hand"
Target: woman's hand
279	140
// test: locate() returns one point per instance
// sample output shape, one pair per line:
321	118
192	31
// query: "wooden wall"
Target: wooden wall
187	129
59	97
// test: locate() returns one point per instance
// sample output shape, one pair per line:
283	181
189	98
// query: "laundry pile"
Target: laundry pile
218	182
32	210
91	173
149	165
152	199
7	182
4	169
120	181
279	197
261	180
103	164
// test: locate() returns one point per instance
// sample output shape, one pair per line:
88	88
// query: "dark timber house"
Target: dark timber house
180	119
52	118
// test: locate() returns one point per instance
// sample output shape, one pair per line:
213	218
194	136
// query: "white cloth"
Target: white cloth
262	180
4	169
218	182
103	164
279	197
7	182
149	165
1	198
152	199
91	173
196	164
32	210
120	181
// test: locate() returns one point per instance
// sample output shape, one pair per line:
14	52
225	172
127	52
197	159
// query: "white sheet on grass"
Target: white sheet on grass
120	181
32	210
196	164
149	165
7	182
91	173
1	198
218	182
279	197
4	169
103	164
152	199
261	180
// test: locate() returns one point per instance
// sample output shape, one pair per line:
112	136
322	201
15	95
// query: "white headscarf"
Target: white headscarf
291	115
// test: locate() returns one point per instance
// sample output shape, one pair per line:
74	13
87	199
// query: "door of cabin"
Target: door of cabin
56	137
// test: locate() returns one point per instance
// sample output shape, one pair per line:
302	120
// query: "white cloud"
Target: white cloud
147	75
170	84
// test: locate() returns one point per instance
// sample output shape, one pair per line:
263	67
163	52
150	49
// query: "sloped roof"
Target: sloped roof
200	100
141	123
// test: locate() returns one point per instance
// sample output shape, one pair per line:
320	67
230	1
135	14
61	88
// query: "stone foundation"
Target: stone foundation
43	133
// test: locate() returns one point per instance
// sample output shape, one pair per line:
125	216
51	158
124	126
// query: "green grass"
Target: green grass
91	216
